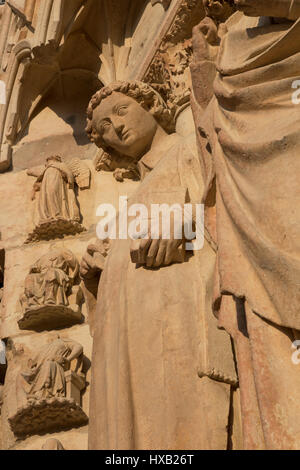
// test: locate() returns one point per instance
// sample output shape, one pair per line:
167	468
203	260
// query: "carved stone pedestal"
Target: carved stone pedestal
50	317
48	415
56	228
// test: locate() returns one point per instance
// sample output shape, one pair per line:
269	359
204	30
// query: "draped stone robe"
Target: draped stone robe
250	146
57	197
151	335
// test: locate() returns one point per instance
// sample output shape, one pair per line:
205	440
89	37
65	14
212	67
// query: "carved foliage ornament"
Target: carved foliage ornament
169	70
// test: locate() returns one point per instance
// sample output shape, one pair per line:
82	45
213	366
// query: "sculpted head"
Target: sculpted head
125	116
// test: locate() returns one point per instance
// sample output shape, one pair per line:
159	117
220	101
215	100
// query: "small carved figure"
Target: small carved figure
45	375
49	286
121	167
50	279
156	345
57	208
48	389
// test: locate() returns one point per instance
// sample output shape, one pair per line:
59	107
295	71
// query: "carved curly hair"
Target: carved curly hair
144	94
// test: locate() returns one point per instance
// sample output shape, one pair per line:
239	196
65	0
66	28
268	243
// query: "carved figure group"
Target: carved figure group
48	389
52	296
50	280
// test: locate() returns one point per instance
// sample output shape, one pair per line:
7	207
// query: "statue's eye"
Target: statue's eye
122	110
105	125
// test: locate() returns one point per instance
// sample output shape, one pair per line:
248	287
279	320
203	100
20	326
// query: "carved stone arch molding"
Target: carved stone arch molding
72	49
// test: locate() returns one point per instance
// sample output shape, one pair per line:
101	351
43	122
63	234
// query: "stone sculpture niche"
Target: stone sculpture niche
57	211
48	390
52	298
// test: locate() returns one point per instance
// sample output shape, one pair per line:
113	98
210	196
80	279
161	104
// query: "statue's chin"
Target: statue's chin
134	152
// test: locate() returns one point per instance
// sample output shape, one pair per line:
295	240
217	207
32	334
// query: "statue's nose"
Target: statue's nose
118	126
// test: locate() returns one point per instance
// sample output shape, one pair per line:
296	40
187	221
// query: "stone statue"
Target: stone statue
57	207
162	373
250	144
50	292
48	389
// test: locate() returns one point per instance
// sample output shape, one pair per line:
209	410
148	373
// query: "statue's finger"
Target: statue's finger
171	247
134	251
160	254
152	252
143	249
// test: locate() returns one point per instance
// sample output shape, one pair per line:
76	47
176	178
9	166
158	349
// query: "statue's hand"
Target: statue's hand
208	28
62	361
93	261
274	8
155	253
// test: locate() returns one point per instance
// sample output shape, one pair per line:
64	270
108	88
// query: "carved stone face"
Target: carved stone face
124	125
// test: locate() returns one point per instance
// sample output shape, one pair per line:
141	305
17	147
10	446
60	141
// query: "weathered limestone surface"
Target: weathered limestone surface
54	55
144	344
